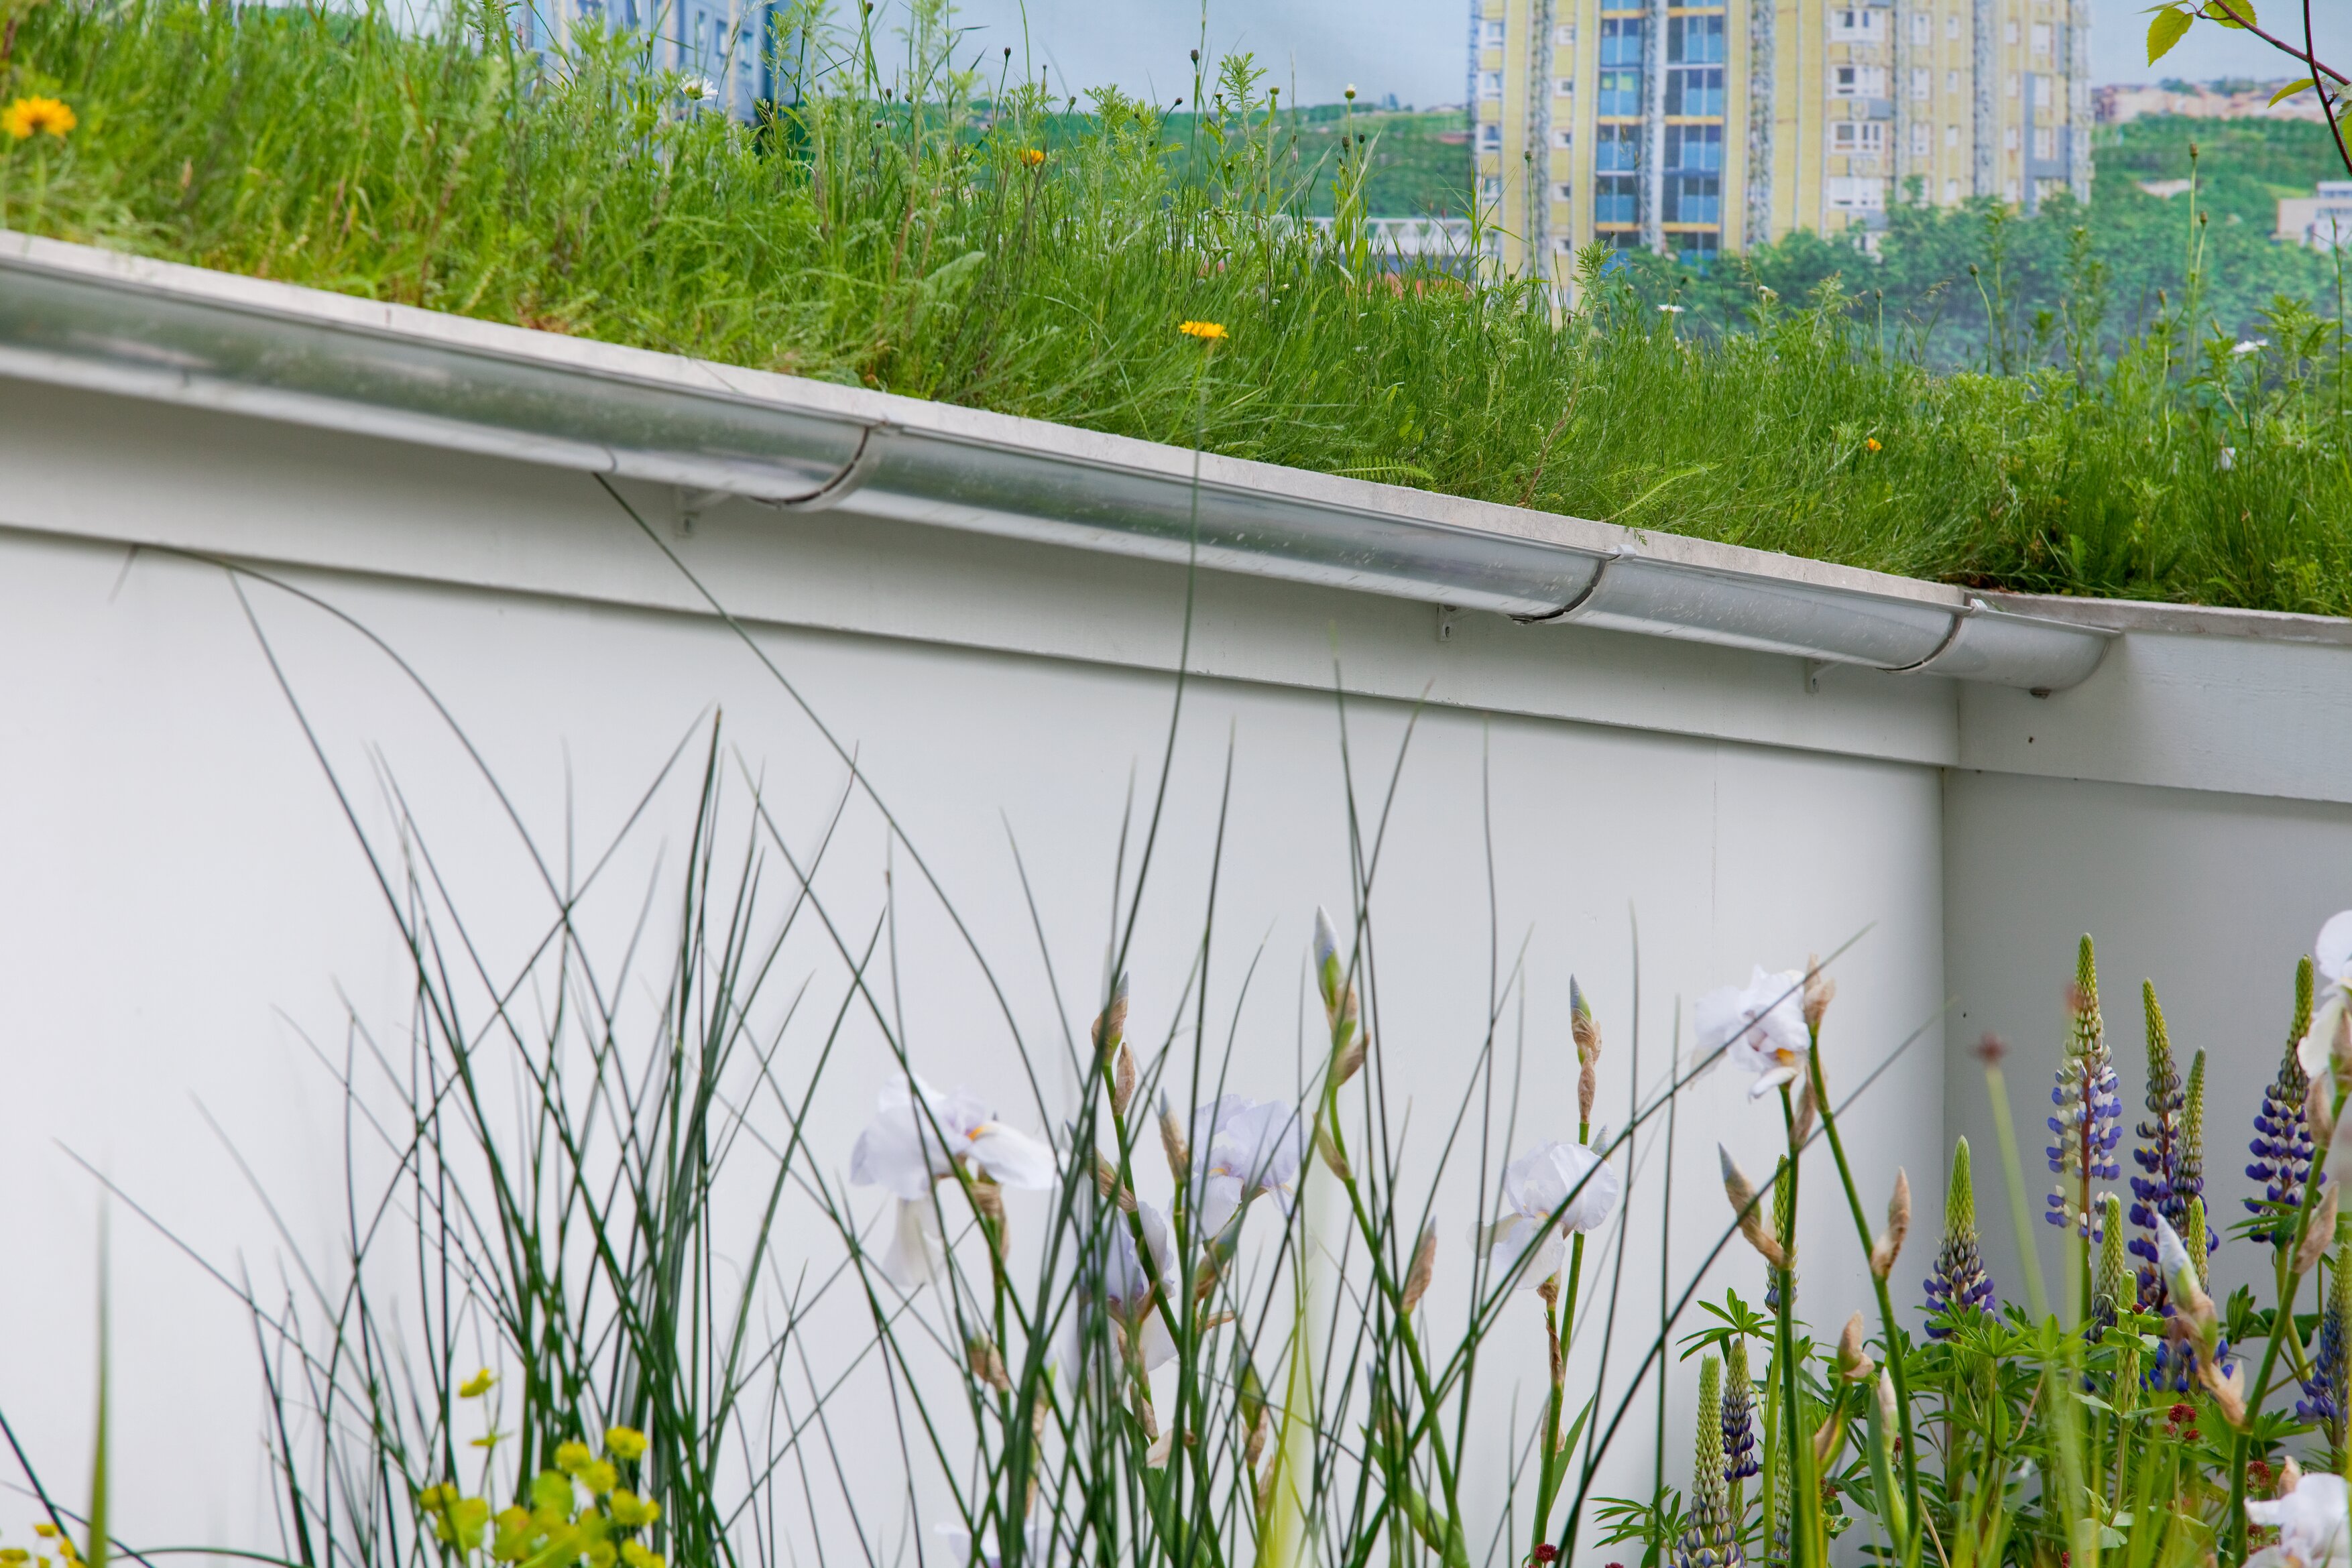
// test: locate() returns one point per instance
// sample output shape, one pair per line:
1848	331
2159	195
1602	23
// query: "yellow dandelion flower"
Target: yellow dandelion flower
631	1512
476	1385
30	116
1033	156
573	1457
625	1444
599	1477
1208	331
1871	444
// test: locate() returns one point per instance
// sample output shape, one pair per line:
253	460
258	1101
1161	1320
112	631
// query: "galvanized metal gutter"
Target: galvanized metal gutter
74	316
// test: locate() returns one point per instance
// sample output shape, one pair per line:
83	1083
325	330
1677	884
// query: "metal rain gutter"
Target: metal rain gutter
77	316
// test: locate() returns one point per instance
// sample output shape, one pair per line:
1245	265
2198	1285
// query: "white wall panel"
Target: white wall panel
186	905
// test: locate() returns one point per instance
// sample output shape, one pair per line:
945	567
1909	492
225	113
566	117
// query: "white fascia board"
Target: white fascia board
76	316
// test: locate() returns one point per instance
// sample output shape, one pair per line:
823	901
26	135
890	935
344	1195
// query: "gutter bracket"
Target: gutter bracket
873	443
1577	603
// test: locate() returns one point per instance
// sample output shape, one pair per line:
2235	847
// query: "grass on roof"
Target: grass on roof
878	229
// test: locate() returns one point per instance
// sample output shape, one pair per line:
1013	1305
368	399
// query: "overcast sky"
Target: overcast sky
1417	50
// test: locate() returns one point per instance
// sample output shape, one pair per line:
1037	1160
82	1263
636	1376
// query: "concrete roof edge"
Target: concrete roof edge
2147	616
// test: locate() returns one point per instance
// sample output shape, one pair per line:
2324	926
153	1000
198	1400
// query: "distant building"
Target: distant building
727	44
2323	220
1702	126
2203	100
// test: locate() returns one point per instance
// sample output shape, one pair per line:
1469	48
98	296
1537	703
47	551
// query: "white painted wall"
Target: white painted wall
2212	897
186	904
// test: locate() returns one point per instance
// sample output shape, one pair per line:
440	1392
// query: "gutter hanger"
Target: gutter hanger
79	317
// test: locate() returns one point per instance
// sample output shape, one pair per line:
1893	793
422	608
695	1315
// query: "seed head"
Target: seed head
1819	991
1854	1363
1110	1028
1742	1194
1122	1082
1424	1267
1898	1225
1172	1141
2319	1234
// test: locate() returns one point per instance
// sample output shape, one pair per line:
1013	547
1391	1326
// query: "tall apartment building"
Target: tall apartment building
1701	126
727	43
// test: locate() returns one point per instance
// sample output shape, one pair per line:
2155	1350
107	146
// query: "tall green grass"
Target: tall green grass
877	228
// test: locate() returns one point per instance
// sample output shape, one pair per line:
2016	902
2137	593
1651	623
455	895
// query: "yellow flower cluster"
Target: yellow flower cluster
1212	332
554	1529
57	1542
31	116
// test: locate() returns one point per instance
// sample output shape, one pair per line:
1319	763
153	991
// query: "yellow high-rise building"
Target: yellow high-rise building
1704	126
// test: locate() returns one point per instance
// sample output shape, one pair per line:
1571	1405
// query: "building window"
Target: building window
1951	136
1952	26
1695	40
1564	87
2009	189
1490	139
1490	84
1922	139
1858	81
1621	40
1867	137
1490	188
1563	137
1923	27
2040	93
1696	250
1951	81
1563	192
1616	149
1694	175
2040	38
1694	149
1616	185
1922	82
1621	92
2009	137
1492	35
1858	194
2009	32
1951	191
2045	142
1694	89
1857	25
1564	35
2013	84
1616	199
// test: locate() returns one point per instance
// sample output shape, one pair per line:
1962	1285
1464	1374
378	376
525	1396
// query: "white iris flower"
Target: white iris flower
1762	1024
918	1137
1535	1186
2311	1522
2331	956
1242	1148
